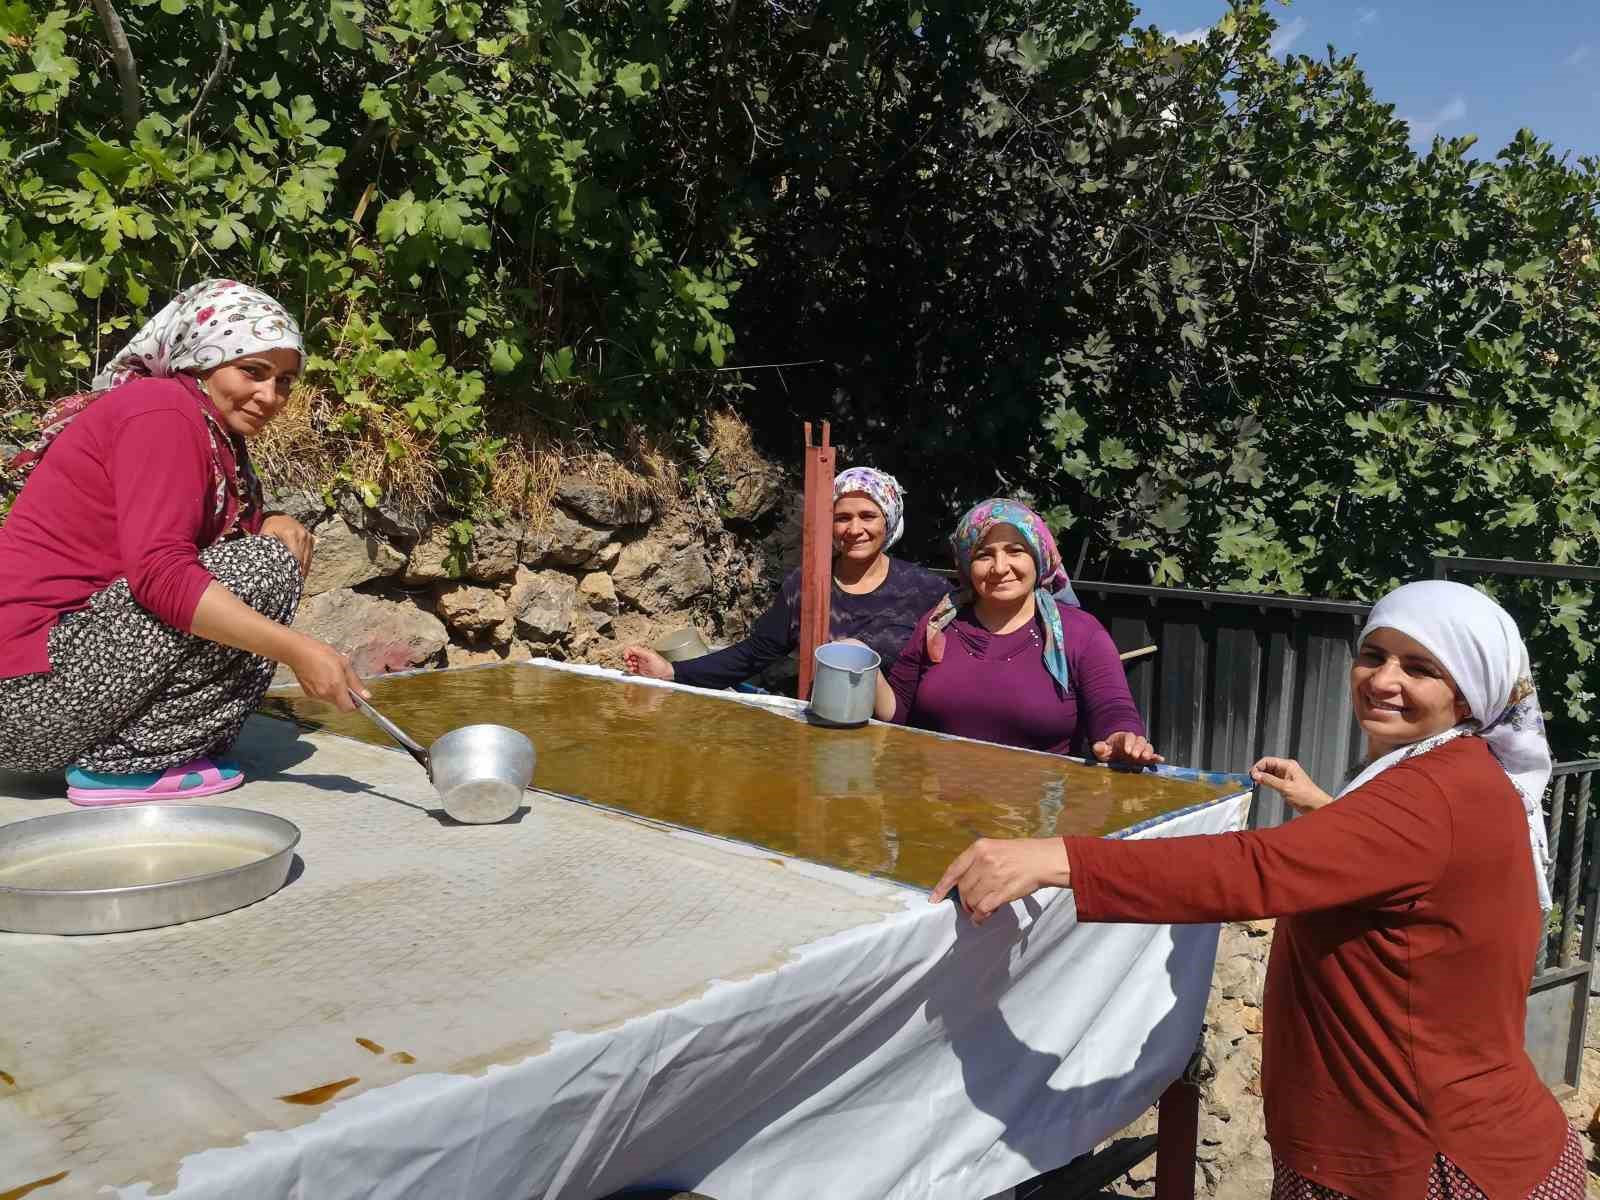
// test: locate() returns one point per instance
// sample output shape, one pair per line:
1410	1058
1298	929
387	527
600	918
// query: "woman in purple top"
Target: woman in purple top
1007	661
875	599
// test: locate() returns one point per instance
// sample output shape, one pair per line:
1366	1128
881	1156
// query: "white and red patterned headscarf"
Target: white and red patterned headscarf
213	322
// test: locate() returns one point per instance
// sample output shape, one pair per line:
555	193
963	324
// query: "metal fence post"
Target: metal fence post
1177	1141
1178	1129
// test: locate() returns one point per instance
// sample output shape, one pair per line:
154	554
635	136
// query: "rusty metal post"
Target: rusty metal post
1177	1139
816	553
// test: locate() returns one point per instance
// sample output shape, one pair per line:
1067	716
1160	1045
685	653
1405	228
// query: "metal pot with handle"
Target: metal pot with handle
846	683
479	771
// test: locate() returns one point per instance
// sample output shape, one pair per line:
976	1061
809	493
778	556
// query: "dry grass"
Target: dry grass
523	477
647	472
302	450
733	447
15	395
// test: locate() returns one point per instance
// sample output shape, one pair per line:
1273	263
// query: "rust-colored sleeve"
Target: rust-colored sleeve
1383	844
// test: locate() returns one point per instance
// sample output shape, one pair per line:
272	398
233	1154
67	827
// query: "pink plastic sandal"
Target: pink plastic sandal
190	780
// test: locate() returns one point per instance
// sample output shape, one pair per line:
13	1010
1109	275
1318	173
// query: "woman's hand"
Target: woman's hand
1289	777
326	675
996	871
1127	747
641	660
292	534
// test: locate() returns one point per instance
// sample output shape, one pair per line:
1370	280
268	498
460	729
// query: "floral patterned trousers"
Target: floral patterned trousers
1447	1181
128	693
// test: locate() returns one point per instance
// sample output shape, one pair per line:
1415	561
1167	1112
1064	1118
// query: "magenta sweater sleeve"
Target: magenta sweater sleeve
906	674
1104	701
161	476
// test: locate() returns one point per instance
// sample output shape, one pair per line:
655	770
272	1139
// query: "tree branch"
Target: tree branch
122	55
29	155
223	57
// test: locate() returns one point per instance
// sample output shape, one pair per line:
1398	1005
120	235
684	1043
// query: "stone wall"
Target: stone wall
1234	1161
591	577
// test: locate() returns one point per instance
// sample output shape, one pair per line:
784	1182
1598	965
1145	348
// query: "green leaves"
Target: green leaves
227	230
299	122
346	16
636	79
1116	455
50	71
1065	425
401	217
41	295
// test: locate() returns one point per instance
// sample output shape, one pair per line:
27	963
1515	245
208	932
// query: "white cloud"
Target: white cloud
1188	39
1578	55
1288	35
1366	16
1423	128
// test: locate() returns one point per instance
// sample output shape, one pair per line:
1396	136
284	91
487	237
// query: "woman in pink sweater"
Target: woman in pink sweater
144	594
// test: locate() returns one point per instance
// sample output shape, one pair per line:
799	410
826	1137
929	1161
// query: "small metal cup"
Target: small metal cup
680	645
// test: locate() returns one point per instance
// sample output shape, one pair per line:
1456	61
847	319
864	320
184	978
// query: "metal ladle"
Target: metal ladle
479	771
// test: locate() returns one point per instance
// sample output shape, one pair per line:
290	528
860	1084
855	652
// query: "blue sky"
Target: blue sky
1453	67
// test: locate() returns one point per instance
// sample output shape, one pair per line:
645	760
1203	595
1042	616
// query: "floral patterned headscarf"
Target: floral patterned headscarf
1479	644
211	323
964	543
883	489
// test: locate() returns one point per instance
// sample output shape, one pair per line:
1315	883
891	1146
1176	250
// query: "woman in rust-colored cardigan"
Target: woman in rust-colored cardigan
1411	909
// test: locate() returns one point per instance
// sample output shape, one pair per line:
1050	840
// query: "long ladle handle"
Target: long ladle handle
394	731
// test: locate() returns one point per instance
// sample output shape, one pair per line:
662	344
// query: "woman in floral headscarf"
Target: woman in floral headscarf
144	594
1012	659
876	599
1409	912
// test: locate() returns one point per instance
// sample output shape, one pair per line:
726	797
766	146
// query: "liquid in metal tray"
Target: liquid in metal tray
115	869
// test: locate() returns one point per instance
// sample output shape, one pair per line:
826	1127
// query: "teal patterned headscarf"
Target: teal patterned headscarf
964	543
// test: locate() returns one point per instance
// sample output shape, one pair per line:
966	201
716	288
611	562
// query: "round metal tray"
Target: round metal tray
114	869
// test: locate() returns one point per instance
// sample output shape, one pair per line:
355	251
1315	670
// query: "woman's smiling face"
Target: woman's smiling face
1002	566
1400	691
250	391
859	527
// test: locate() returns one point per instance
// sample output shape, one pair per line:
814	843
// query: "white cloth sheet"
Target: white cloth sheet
592	1002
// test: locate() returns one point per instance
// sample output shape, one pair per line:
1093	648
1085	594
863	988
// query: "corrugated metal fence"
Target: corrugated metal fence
1235	677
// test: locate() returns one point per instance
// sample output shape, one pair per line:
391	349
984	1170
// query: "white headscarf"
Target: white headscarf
213	322
1478	643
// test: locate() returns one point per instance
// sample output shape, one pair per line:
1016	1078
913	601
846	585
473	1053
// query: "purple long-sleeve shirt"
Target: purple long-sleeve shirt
882	618
995	687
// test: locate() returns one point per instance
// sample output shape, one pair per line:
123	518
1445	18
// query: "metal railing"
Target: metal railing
1558	1000
1446	565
